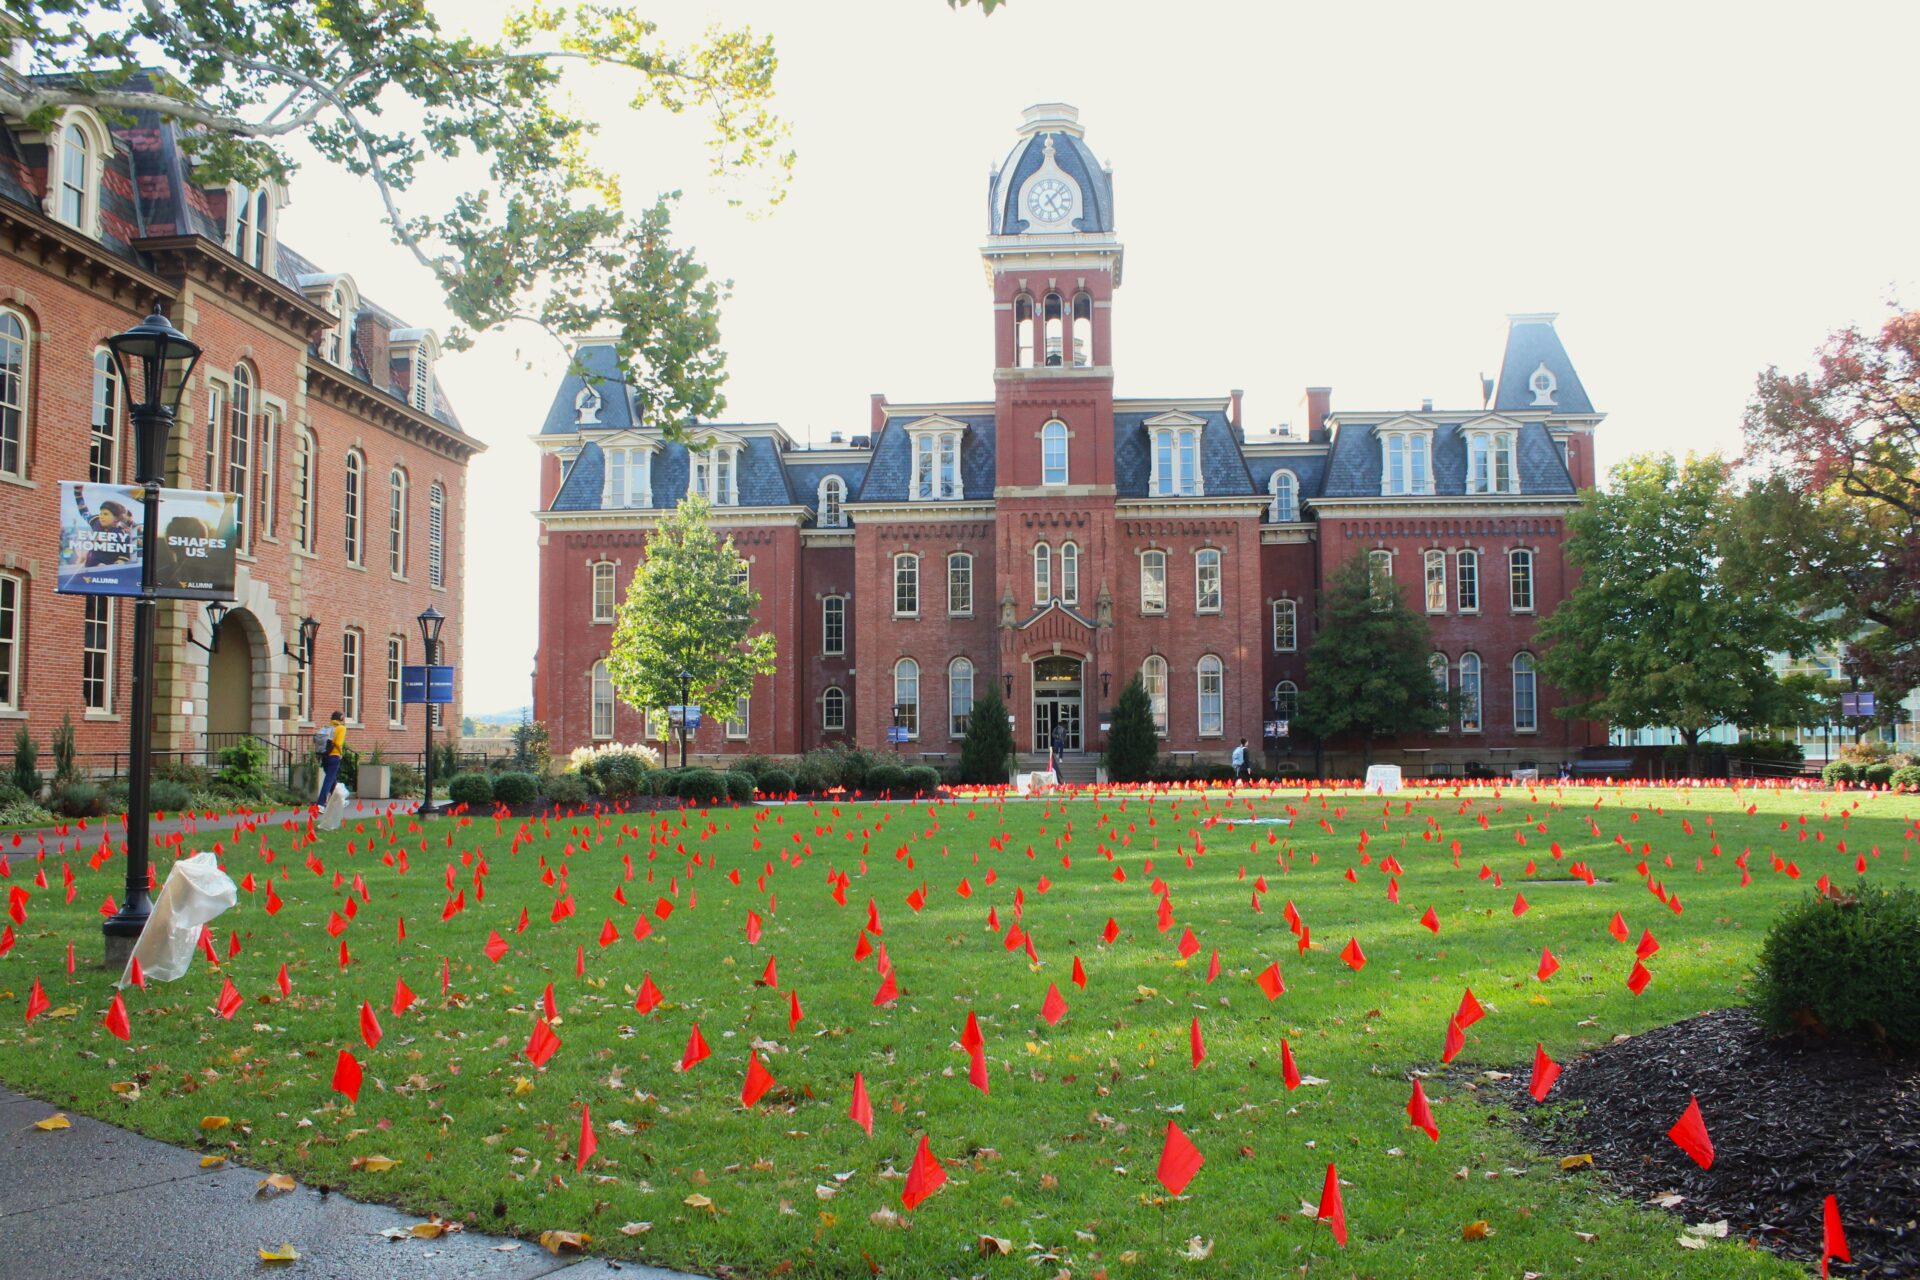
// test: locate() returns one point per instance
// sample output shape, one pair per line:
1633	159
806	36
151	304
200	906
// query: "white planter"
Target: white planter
375	782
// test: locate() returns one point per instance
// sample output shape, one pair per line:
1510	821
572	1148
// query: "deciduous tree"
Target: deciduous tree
1367	672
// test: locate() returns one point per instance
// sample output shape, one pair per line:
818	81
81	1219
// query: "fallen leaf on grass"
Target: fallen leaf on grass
210	1123
884	1218
212	1162
1197	1250
57	1120
698	1201
64	1011
285	1253
1585	1237
1690	1242
128	1089
558	1242
273	1184
1582	1161
1476	1230
990	1246
636	1228
1708	1230
373	1164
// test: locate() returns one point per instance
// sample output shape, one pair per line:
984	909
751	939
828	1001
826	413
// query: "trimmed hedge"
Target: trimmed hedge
740	786
470	789
1840	771
621	774
923	779
1907	777
699	786
1878	774
1846	965
516	788
567	788
776	783
885	777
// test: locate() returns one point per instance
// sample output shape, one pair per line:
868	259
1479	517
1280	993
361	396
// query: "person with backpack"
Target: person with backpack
331	744
1241	771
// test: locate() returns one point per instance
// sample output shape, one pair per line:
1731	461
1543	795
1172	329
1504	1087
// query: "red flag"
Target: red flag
924	1178
793	1010
770	976
1288	1072
889	990
1188	943
1179	1161
861	1112
1648	945
116	1020
696	1051
753	926
1213	967
496	946
1689	1133
1431	920
1456	1041
446	975
1271	982
1195	1044
1331	1210
1112	930
230	1001
369	1026
403	997
547	1005
542	1044
1356	959
588	1143
970	1037
1470	1011
346	1076
1833	1240
273	900
138	976
1637	980
759	1079
1054	1007
1545	1072
649	996
1079	974
345	959
286	983
977	1070
1548	964
1420	1114
608	934
1617	927
1519	904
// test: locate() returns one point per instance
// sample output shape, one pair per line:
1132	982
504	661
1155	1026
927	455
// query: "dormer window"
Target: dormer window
339	297
418	351
1175	469
936	462
1544	384
716	473
628	477
1407	462
1285	488
1490	462
586	408
832	503
422	378
76	163
76	155
250	222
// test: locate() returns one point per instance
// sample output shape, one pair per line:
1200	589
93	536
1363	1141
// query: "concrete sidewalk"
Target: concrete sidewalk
95	1201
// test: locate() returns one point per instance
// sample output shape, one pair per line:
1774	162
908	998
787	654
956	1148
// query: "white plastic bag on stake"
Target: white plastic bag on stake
195	894
335	811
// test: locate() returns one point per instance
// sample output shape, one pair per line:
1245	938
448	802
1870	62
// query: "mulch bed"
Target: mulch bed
1792	1121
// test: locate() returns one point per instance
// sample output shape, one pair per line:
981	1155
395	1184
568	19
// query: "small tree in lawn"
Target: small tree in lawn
1367	672
1132	744
989	741
689	608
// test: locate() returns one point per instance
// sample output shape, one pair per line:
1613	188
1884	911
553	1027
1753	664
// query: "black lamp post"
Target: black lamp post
309	632
686	682
216	614
1106	683
154	360
431	620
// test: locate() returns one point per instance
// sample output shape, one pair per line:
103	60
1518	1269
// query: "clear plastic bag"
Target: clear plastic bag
335	810
197	891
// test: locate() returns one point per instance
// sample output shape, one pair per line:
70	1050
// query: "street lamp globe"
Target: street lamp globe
155	360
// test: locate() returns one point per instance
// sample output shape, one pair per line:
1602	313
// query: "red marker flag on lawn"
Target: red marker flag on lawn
1833	1240
135	974
1548	964
1648	945
970	1037
1213	967
1689	1133
1331	1209
1054	1007
696	1050
1420	1114
1470	1011
608	933
346	1076
794	1015
753	927
1079	974
1271	982
1456	1041
369	1026
1179	1160
1351	953
1188	943
588	1143
1545	1072
861	1112
770	976
286	983
1195	1043
977	1070
542	1044
924	1178
759	1079
889	990
496	946
116	1020
1431	921
1638	979
230	1001
1617	927
1519	904
1288	1072
1112	930
403	997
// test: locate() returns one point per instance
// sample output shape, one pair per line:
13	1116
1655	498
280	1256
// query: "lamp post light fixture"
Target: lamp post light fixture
1106	683
154	360
217	613
686	683
309	632
431	620
1007	676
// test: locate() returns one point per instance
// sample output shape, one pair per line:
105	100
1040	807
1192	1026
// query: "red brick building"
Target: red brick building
317	407
1055	540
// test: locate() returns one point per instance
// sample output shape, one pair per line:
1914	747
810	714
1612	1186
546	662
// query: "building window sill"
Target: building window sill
21	481
12	713
101	717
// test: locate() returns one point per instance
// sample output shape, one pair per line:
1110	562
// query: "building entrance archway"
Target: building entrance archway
230	682
1057	699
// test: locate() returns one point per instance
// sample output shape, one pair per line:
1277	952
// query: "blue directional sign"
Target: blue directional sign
1857	704
424	684
689	715
898	733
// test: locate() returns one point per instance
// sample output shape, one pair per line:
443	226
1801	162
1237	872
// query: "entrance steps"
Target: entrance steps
1077	769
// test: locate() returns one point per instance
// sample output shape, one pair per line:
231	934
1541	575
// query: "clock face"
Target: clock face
1049	200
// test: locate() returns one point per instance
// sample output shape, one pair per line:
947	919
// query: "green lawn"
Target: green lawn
1059	1159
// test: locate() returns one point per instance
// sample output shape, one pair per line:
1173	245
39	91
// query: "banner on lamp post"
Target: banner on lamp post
100	542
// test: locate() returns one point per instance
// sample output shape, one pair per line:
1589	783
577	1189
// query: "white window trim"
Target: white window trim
839	520
1492	440
1292	610
306	446
894	586
1533	579
1146	607
1407	439
396	681
1479	692
110	663
938	435
1459	576
1173	432
356	554
399	541
1274	513
1042	573
703	470
1200	698
27	343
953	558
273	426
636	460
1069	582
100	145
954	731
613	595
593	702
738	730
826	647
437	541
16	659
1533	673
1374	555
1064	436
1220	563
1432	556
1443	673
587	404
1163	721
354	707
913	733
825	725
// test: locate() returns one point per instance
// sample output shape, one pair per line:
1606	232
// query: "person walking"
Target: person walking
1059	745
1241	771
335	737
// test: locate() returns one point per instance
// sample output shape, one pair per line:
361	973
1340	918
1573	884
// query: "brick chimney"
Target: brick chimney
1317	402
878	417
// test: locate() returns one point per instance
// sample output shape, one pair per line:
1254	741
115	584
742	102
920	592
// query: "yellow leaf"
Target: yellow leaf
522	1086
274	1184
125	1087
285	1253
209	1123
698	1201
1576	1162
558	1242
991	1246
373	1164
64	1011
212	1162
429	1230
1476	1230
57	1120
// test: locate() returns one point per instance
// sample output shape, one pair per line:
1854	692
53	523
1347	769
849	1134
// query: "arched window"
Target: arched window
303	490
1286	626
1380	577
833	496
906	696
76	177
1153	674
1053	452
602	702
1056	330
833	710
240	409
1023	332
906	585
352	652
262	229
1285	488
397	522
355	505
1212	680
103	453
603	593
1469	693
1206	580
960	584
1069	573
833	626
1436	570
1526	690
436	536
1153	582
586	407
1520	579
1174	468
1437	664
959	696
12	638
13	393
1082	331
1042	573
1286	700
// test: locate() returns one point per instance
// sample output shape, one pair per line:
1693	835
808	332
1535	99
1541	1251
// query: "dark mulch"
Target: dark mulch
1792	1121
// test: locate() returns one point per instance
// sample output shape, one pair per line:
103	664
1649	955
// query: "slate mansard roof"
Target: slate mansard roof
1054	125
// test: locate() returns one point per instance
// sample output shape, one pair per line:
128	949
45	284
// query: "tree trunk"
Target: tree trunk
1693	752
1366	751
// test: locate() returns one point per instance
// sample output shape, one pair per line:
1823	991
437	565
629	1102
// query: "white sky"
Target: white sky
1347	195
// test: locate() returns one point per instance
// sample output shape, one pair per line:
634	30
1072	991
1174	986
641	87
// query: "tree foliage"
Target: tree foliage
1367	671
989	740
1132	744
1657	632
1835	518
689	608
379	89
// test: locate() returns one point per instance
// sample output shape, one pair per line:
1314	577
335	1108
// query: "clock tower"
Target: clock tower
1053	262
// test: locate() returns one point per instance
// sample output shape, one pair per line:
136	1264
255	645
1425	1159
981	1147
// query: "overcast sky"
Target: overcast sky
1327	194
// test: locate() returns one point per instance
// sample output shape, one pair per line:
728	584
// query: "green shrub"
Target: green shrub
1907	777
886	778
406	780
855	765
923	779
470	789
754	766
776	783
566	788
697	786
1133	748
817	772
740	786
989	742
1845	965
516	788
63	753
79	800
620	773
23	812
26	760
1879	774
243	767
1840	771
10	795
